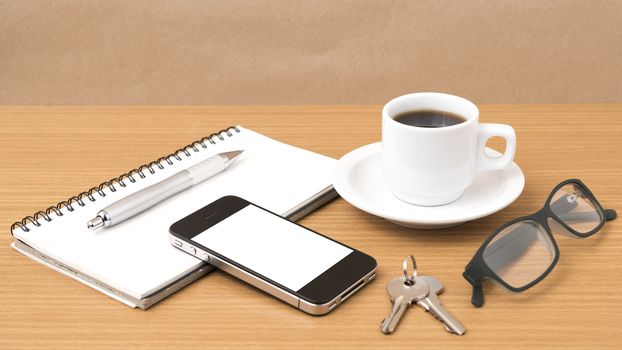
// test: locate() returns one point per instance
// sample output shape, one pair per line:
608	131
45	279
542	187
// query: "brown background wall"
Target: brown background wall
299	52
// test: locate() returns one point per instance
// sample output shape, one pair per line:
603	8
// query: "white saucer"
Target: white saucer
359	180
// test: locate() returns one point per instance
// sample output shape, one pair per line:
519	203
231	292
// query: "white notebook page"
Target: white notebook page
135	256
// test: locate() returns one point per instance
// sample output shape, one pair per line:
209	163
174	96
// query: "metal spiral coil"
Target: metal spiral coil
79	199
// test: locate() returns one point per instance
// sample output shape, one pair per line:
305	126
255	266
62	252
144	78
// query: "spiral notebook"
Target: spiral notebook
133	261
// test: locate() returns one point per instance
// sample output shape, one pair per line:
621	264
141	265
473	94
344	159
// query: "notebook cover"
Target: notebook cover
134	258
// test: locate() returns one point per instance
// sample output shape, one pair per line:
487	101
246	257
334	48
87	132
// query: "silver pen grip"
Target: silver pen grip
146	198
206	169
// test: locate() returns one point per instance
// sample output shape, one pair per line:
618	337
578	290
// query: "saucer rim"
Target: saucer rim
513	190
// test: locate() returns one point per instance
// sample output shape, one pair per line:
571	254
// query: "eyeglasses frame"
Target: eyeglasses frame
477	270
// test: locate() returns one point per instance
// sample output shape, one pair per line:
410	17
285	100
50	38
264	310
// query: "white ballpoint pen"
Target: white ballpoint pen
148	197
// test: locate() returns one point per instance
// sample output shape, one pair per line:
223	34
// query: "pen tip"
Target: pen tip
231	156
95	223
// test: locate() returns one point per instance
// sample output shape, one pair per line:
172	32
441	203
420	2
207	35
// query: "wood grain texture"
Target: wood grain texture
50	153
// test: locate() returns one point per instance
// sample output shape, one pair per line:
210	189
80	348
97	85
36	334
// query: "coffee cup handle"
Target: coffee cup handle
485	132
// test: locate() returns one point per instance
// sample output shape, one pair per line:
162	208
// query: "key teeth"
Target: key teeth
426	305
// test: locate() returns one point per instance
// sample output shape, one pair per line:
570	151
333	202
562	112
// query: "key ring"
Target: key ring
410	278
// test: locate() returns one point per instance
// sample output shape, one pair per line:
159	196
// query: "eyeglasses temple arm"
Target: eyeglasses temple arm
477	297
610	214
562	206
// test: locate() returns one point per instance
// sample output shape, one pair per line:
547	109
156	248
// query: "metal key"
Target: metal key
432	304
403	294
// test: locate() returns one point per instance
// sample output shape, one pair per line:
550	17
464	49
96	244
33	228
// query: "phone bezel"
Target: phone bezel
321	290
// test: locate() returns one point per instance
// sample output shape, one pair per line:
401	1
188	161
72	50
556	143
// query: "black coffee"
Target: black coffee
429	118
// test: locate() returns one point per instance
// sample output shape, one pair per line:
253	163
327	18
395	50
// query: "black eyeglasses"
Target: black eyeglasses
520	253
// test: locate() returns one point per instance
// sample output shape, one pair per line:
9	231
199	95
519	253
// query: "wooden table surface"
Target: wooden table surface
50	153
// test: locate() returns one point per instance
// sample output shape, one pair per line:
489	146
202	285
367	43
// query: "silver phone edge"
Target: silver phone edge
301	304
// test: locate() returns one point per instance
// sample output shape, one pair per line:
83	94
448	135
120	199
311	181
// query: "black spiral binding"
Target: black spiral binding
119	180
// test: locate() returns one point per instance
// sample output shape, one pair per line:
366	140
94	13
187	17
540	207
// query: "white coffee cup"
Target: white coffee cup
434	166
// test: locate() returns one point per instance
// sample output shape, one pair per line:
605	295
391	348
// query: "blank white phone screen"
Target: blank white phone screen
273	247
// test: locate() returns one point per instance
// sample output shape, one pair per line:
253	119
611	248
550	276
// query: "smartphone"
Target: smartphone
303	268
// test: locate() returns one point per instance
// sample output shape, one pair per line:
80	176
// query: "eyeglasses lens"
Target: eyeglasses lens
520	253
575	209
